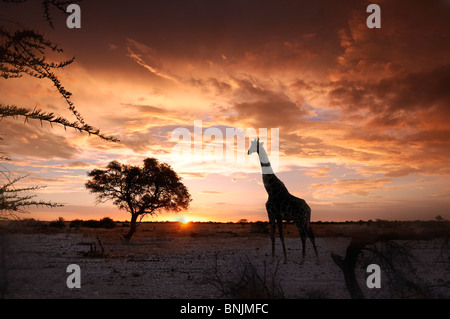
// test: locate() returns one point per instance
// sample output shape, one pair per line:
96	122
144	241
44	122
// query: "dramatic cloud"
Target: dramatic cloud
359	187
33	141
363	114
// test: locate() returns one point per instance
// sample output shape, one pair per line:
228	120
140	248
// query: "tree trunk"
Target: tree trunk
347	265
3	279
133	225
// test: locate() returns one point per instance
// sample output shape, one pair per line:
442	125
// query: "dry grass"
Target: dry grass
172	260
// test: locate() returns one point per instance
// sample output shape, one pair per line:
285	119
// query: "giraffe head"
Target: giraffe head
254	146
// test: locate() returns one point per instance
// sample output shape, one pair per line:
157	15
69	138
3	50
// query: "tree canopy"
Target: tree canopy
23	52
141	191
14	199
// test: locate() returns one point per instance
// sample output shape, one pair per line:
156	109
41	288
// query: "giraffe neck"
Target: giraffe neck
273	185
264	161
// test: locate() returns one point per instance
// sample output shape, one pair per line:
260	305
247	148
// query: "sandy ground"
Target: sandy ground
174	261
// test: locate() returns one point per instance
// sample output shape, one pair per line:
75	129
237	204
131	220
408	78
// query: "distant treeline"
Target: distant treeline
105	222
60	223
382	222
359	222
109	223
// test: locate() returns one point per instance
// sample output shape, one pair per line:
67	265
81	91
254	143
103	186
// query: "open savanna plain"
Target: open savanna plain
221	260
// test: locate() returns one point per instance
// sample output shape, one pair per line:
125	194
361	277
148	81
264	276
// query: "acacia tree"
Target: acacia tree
23	52
14	199
141	191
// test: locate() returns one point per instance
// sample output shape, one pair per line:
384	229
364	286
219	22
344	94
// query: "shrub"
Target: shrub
107	223
59	223
76	223
248	282
28	222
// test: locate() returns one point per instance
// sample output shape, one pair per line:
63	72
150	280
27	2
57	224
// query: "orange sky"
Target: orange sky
363	114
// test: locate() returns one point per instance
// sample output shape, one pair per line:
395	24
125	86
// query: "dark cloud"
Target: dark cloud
147	109
360	187
211	85
77	164
155	138
312	147
260	107
268	114
32	140
396	100
212	192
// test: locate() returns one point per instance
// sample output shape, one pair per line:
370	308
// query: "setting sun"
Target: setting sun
184	220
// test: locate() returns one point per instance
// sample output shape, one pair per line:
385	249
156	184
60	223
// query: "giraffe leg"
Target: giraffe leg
271	214
303	237
313	241
272	236
280	230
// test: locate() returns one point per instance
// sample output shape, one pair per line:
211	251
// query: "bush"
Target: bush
247	282
107	223
59	223
76	223
28	222
91	223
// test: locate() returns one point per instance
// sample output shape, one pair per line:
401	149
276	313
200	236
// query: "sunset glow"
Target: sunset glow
184	220
363	114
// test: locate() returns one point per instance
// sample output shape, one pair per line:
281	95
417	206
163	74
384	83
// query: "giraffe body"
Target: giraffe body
283	206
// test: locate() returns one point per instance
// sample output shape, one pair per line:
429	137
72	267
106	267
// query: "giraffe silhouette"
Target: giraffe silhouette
281	205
